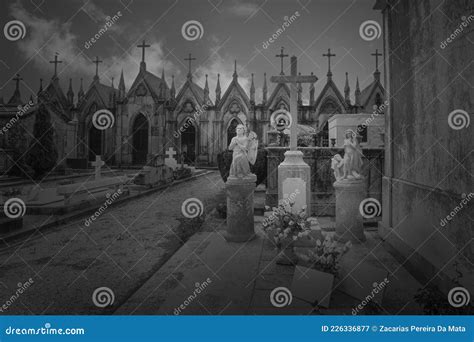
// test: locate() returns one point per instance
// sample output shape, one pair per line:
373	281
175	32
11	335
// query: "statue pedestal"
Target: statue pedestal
349	223
294	181
240	222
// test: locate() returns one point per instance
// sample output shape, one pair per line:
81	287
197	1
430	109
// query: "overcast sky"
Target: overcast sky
232	29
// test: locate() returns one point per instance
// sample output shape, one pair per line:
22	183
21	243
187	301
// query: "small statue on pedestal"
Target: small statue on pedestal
349	167
245	151
240	187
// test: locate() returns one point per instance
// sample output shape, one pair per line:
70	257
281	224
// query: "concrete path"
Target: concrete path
120	250
238	279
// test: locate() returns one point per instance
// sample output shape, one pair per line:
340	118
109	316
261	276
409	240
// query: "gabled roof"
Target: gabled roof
102	91
152	82
367	93
276	91
196	90
330	85
235	85
56	100
105	91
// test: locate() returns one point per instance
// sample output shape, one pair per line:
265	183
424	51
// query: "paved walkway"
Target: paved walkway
210	276
120	250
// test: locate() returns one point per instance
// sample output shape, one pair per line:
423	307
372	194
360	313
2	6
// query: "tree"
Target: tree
42	153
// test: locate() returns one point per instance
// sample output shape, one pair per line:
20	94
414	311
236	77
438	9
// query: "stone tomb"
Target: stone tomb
312	286
154	173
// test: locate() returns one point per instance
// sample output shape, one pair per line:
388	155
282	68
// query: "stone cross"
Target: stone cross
281	56
329	55
376	54
96	62
294	79
170	160
170	153
97	164
143	46
190	59
55	62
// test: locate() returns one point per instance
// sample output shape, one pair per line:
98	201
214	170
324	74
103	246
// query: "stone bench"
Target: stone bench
80	191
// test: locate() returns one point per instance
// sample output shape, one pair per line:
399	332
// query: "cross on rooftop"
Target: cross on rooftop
143	46
55	62
281	56
376	54
17	79
189	59
96	62
329	55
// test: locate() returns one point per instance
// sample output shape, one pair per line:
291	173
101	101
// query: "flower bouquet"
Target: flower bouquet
285	225
325	256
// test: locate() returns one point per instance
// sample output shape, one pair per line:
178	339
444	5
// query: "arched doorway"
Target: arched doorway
95	143
140	140
188	144
231	130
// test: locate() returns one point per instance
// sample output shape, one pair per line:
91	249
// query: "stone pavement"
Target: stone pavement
209	276
120	250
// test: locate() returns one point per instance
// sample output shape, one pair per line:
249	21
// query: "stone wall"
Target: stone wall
322	176
429	164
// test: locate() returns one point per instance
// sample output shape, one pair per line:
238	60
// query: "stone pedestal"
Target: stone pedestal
240	222
294	180
349	222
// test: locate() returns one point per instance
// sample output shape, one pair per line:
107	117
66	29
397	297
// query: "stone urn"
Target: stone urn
286	252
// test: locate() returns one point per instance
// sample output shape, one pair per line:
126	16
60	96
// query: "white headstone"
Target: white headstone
294	189
170	160
97	164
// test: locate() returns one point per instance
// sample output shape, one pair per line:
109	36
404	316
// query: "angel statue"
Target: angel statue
337	164
245	152
352	156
